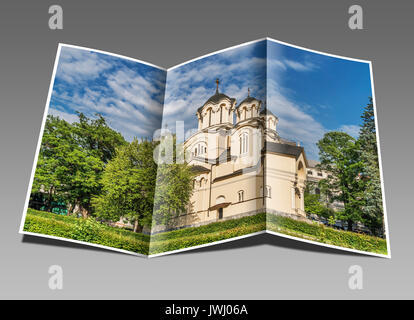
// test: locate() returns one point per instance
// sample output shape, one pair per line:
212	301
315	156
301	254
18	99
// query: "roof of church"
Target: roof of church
284	148
216	98
248	100
199	169
267	112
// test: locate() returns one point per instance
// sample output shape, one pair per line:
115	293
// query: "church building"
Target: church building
242	165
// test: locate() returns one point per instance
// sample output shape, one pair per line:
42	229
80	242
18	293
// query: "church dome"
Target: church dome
216	98
249	100
216	111
248	108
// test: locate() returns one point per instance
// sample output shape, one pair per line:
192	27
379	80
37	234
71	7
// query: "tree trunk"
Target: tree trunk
84	211
70	209
49	205
350	225
137	227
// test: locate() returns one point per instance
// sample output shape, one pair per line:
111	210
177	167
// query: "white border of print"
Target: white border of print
49	95
21	231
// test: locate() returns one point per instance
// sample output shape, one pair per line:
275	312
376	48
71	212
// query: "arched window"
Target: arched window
241	195
317	191
268	192
244	143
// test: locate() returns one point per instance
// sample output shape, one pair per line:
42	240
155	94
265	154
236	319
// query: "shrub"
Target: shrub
326	235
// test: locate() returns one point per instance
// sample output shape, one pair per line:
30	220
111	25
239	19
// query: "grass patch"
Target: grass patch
324	234
89	230
216	231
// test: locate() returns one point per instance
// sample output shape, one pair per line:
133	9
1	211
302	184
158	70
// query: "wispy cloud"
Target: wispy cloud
294	122
128	94
190	85
351	129
77	65
69	117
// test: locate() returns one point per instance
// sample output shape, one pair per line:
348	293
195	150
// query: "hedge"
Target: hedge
321	233
88	230
195	236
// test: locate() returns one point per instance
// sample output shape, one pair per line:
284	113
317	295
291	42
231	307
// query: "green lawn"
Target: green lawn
94	232
321	233
85	230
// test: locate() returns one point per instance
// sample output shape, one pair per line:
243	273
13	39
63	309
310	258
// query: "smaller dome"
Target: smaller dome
216	98
249	100
267	112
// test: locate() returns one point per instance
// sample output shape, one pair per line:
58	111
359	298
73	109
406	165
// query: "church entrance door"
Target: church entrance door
220	213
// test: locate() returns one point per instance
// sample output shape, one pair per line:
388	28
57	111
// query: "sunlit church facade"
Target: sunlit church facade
243	167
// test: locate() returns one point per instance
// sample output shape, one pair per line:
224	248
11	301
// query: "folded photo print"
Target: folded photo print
263	137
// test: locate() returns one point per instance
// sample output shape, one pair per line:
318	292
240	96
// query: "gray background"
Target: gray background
168	33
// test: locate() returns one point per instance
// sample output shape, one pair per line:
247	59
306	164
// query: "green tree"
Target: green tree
174	183
372	209
313	205
95	135
129	185
72	158
57	139
339	155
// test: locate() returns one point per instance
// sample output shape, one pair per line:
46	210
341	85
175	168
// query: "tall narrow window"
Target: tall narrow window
241	195
268	192
244	142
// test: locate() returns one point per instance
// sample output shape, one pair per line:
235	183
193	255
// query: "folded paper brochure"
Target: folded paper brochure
263	137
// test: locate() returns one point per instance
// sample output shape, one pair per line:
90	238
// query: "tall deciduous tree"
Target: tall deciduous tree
72	158
95	135
129	185
57	140
339	155
174	183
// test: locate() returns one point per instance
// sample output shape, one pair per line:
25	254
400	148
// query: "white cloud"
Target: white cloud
297	66
294	123
76	65
69	117
130	98
351	129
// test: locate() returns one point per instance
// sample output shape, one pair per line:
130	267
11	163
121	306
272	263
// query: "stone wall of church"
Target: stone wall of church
287	186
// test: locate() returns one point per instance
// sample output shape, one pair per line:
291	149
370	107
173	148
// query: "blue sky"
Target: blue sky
310	93
129	94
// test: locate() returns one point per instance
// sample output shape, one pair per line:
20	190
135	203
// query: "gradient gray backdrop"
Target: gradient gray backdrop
167	33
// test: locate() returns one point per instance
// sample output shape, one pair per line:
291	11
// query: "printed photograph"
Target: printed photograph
205	116
280	139
95	175
322	158
261	137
